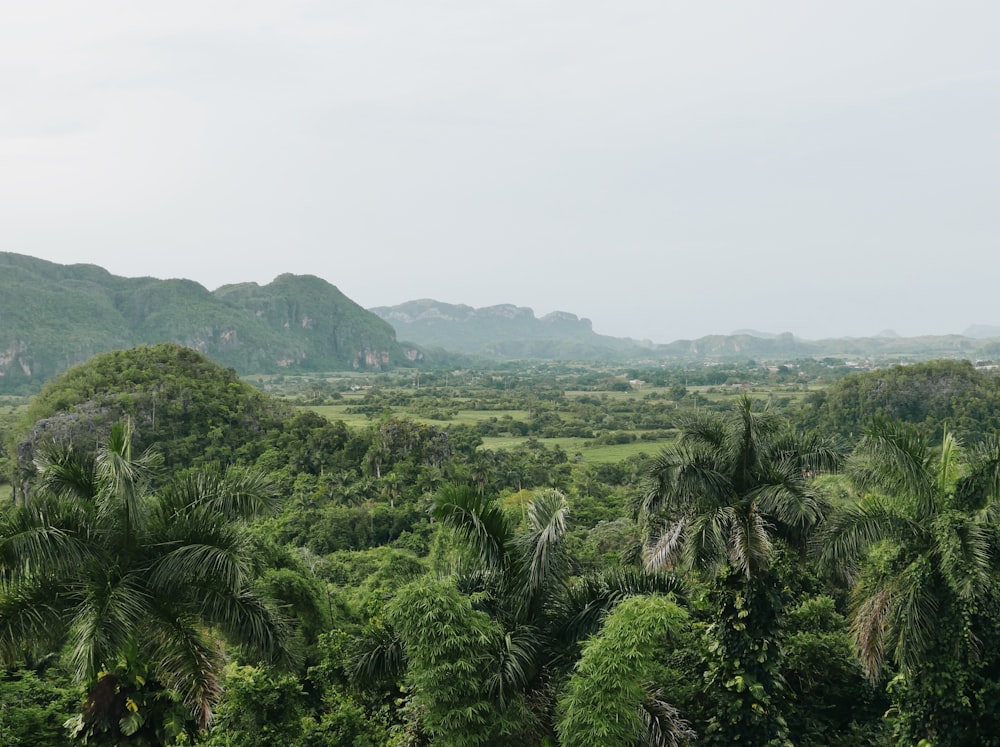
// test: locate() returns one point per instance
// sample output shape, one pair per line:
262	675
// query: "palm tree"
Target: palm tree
733	483
919	549
525	574
134	582
515	573
932	516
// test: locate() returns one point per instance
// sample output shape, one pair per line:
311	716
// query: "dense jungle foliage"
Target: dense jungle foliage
776	554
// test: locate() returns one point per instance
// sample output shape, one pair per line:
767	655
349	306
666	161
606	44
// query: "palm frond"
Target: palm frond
662	722
513	663
893	458
66	472
104	622
123	481
378	656
245	619
193	565
807	452
47	535
119	472
851	532
684	479
581	610
702	430
784	495
32	615
752	429
915	614
949	466
749	543
666	552
869	624
979	488
478	520
707	542
963	550
660	480
540	546
237	494
188	662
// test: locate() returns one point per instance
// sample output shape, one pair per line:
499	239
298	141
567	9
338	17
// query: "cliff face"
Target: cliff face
54	316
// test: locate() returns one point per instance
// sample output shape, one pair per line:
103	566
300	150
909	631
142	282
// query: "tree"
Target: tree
137	584
515	573
918	548
834	703
514	626
734	483
613	697
35	707
449	645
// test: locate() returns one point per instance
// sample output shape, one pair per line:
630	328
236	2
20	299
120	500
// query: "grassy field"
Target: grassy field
339	412
588	452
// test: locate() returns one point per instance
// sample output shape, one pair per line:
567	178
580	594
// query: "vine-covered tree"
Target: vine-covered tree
919	547
735	482
619	694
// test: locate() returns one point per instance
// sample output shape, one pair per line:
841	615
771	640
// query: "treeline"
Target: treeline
775	576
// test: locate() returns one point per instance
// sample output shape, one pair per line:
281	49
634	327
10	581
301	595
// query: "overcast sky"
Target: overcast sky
665	169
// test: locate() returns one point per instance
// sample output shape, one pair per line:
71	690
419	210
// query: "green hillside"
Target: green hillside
53	316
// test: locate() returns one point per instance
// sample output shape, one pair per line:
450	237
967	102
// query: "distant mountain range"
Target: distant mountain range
53	316
512	332
503	331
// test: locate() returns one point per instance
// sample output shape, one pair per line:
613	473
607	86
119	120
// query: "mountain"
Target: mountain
53	316
504	331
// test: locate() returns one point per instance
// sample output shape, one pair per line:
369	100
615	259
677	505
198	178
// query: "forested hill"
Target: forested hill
504	331
52	316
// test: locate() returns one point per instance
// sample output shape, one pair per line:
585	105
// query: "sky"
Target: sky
665	169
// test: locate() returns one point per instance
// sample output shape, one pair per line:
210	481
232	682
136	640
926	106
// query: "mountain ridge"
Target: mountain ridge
53	316
508	332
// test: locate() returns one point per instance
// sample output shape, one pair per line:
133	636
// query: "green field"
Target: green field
588	452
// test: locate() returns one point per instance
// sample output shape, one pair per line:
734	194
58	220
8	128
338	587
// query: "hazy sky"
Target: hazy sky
665	169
